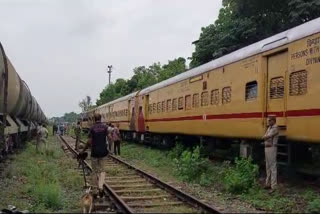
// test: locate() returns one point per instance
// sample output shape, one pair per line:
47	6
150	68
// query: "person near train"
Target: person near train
116	139
77	132
54	129
270	142
110	138
42	134
99	152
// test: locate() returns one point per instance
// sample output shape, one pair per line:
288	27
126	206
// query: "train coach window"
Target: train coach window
215	97
298	83
154	108
204	98
188	102
251	90
159	107
174	104
150	109
180	103
195	101
226	95
163	106
169	104
276	88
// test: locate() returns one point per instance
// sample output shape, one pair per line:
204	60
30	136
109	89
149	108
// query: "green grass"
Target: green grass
289	198
42	182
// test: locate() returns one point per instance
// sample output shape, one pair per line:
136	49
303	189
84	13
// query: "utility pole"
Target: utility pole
109	72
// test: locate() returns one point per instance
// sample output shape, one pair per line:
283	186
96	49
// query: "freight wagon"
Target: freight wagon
20	113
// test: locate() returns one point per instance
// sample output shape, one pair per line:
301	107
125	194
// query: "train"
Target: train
20	113
228	99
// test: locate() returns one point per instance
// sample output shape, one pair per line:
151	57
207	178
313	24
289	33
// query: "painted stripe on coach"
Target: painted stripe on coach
291	113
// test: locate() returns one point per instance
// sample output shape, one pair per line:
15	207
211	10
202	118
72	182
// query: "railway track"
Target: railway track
131	190
105	205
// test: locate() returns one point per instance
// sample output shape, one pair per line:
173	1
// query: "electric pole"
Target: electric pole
109	72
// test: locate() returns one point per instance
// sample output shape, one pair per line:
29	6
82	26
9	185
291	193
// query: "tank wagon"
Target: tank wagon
20	112
230	98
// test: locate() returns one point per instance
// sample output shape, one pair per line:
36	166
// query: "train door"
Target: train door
133	115
143	112
276	97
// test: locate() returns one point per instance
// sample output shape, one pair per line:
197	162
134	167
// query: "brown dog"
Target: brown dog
87	201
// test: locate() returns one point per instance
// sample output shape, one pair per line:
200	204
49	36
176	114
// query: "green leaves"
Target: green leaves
243	22
241	178
142	78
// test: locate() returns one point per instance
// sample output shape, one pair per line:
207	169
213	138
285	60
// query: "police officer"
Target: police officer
77	132
99	151
270	142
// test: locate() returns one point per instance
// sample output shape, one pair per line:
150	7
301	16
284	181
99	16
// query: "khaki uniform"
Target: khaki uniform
77	132
110	140
42	133
271	140
98	173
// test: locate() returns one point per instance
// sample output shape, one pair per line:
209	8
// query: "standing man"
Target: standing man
270	142
110	138
99	151
55	128
77	131
42	134
116	139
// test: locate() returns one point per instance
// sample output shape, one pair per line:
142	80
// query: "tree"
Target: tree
85	104
243	22
142	78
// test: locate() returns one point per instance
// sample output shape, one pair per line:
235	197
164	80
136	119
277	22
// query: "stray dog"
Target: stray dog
87	201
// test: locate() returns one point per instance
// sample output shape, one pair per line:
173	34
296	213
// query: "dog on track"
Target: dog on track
87	201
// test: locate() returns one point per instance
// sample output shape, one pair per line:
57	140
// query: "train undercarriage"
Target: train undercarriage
292	156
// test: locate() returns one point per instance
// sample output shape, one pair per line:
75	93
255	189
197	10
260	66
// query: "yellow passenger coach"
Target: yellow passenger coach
230	97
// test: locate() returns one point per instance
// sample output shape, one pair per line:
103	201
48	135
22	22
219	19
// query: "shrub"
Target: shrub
176	151
49	195
242	177
314	206
191	167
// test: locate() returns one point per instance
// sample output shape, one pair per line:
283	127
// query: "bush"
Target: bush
49	195
191	167
242	177
314	206
176	151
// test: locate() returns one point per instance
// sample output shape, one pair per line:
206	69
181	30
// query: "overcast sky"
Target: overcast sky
61	48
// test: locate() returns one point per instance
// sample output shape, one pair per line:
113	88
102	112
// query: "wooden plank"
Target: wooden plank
131	186
125	181
156	204
123	177
134	198
138	191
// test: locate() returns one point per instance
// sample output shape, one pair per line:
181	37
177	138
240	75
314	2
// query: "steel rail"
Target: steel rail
179	194
119	203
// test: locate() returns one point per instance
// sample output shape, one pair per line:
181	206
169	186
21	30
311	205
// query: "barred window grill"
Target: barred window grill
163	106
174	104
298	83
226	95
195	101
150	109
204	98
180	103
276	88
159	107
251	90
188	102
215	97
154	108
169	104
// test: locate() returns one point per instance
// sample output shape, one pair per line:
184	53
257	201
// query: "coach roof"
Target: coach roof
275	41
